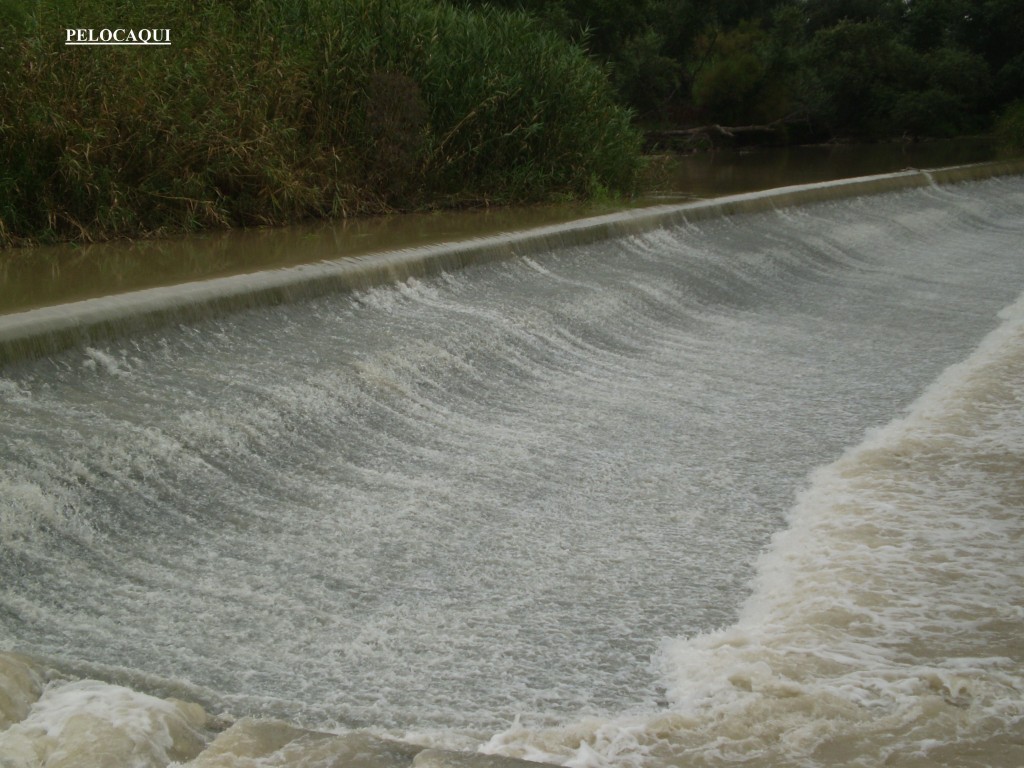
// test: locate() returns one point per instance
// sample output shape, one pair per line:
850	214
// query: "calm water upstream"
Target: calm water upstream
749	490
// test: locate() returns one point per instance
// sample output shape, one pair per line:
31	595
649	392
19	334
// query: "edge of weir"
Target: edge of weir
47	330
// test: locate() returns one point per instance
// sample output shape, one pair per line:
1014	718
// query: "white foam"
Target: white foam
88	724
97	358
885	622
29	512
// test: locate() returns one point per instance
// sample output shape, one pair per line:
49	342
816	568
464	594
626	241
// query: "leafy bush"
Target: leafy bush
271	111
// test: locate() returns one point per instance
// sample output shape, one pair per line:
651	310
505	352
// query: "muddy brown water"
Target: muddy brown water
50	275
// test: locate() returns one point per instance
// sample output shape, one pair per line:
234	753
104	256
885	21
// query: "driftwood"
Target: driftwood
727	131
722	130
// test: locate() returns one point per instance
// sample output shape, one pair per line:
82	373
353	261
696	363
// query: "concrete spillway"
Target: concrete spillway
732	488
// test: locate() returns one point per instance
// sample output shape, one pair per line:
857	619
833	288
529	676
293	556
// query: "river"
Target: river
53	274
744	489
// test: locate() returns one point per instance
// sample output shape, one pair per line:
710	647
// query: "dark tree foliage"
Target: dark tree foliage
841	68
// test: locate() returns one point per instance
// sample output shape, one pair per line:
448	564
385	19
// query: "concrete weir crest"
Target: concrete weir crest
43	331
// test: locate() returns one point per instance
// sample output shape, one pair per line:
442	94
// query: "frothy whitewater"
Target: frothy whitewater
743	491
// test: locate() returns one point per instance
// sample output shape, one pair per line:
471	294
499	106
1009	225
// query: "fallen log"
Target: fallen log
729	131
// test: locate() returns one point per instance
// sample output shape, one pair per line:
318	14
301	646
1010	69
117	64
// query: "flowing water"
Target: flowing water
748	490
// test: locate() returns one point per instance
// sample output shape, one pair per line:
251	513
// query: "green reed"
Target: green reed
273	111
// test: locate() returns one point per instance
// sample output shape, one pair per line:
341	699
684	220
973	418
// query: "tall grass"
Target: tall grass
272	111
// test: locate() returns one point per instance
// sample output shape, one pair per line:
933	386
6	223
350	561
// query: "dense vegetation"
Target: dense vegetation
271	111
809	69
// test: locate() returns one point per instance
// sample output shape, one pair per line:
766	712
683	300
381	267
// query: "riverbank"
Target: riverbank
62	273
48	329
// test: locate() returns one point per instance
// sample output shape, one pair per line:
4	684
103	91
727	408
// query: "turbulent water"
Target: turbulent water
748	490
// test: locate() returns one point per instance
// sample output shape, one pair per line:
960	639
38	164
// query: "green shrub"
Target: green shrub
272	111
